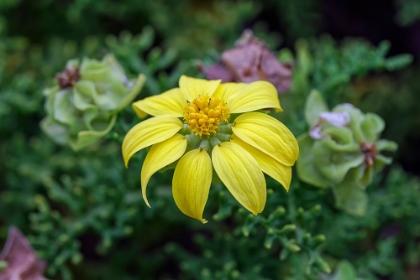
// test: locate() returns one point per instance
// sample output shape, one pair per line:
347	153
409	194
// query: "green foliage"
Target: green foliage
197	23
87	202
84	212
140	55
409	12
301	18
288	248
329	67
335	66
344	271
389	225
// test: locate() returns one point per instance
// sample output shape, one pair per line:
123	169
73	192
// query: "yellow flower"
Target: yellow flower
209	126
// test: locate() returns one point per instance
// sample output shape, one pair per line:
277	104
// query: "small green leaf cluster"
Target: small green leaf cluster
335	65
83	108
408	13
330	67
140	54
390	228
284	242
342	151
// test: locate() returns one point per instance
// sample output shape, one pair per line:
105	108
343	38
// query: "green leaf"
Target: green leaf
356	116
88	137
132	94
398	62
380	161
111	94
303	57
305	164
56	131
336	81
112	63
363	175
146	38
50	94
84	95
336	154
349	197
345	271
63	108
314	105
372	125
332	161
383	48
89	115
340	139
386	145
94	70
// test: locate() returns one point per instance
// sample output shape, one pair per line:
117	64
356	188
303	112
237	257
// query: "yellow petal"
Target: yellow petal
149	132
276	170
159	156
191	183
255	96
227	90
241	174
194	88
171	102
268	135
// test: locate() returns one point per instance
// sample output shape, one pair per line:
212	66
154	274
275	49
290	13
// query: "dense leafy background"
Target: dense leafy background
83	212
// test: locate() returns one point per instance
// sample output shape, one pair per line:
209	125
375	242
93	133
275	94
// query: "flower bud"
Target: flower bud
342	150
82	106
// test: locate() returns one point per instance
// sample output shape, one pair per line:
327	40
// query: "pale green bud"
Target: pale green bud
342	150
83	105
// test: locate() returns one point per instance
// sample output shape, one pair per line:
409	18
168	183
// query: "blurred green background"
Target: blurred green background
83	212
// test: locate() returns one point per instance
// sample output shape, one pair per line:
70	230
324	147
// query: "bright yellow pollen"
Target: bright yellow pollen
204	115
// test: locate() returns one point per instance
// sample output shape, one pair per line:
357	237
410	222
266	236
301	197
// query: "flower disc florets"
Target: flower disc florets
203	115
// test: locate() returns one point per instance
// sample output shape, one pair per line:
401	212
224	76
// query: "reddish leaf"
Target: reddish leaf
22	263
251	61
216	72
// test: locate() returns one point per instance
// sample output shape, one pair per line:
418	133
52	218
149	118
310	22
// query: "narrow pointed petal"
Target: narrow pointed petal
159	156
171	102
194	88
276	170
191	183
267	135
149	132
227	90
241	174
255	96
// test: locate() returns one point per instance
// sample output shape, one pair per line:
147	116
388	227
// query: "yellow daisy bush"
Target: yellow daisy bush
209	126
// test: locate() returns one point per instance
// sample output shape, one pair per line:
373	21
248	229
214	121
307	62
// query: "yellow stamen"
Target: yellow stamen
204	114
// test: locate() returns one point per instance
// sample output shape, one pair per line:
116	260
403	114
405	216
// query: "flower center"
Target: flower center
204	114
369	151
68	77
